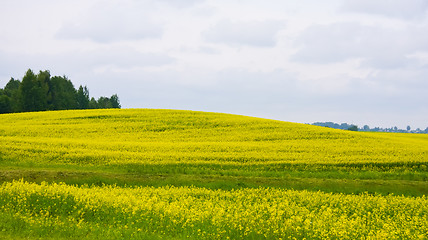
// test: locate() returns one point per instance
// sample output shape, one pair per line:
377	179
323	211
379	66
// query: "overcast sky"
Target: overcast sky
354	61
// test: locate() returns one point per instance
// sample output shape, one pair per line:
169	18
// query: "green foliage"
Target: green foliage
30	92
93	104
83	97
62	94
104	102
12	91
5	103
114	101
353	128
40	92
12	85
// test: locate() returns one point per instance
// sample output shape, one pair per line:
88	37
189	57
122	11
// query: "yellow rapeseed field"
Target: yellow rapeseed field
160	144
201	213
120	137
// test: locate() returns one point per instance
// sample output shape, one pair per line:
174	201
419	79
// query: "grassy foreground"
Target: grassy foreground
151	174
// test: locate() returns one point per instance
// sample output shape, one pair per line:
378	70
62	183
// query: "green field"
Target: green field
263	178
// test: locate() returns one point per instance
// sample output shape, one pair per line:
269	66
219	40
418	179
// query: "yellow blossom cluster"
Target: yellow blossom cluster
161	143
197	140
252	213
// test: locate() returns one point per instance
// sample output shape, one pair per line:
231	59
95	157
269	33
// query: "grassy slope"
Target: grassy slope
166	147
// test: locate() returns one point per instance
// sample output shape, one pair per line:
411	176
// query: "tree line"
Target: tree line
366	128
41	92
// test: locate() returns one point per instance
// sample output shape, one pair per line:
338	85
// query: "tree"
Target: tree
353	128
34	91
27	91
62	94
408	128
12	85
114	101
39	92
93	103
12	91
5	102
83	97
104	102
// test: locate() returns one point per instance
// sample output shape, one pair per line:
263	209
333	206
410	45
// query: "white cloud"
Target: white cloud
345	61
251	33
409	9
181	3
329	43
376	47
233	90
124	57
113	21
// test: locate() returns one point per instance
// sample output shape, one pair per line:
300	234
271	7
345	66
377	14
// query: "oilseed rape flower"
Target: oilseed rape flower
256	213
135	144
160	140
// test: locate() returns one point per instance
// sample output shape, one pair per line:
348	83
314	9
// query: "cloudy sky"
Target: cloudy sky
354	61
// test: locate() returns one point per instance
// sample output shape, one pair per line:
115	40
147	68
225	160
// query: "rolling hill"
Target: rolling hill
147	146
156	174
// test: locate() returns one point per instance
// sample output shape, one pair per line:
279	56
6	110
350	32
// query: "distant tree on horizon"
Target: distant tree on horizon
366	128
353	128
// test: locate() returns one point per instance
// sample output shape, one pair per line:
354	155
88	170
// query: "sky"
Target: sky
354	61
